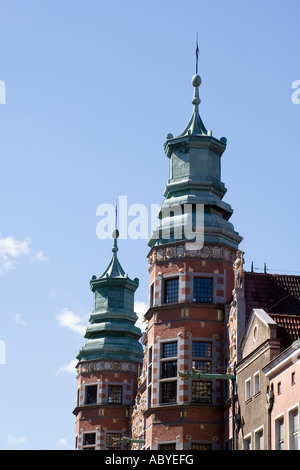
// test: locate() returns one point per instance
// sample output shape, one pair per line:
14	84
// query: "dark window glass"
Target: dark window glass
169	392
202	366
171	290
169	349
202	289
168	369
90	394
115	394
201	349
201	447
112	441
167	447
89	439
201	392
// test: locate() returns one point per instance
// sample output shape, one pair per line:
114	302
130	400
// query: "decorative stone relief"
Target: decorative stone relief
179	251
100	366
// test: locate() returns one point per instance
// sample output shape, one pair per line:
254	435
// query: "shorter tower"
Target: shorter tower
109	362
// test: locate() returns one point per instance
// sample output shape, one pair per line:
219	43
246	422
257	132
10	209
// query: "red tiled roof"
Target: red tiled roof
273	292
288	328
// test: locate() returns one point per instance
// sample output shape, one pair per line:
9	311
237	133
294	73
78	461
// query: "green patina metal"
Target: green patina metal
112	333
196	374
195	178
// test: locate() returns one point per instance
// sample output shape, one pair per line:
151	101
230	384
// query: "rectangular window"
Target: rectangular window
90	394
279	434
256	383
169	392
115	394
279	388
169	349
201	447
171	290
151	300
294	429
201	392
247	443
202	290
201	349
259	440
89	441
168	369
167	447
112	441
248	389
202	366
293	378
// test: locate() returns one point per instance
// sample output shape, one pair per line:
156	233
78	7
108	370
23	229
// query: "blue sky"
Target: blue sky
92	89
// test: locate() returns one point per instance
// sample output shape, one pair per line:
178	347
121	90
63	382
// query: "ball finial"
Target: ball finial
196	80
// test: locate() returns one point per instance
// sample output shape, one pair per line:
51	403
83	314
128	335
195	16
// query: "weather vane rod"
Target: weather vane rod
197	55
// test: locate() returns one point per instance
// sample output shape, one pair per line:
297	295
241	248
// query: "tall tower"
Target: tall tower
109	362
191	285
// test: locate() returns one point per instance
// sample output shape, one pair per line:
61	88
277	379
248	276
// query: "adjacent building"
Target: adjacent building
266	362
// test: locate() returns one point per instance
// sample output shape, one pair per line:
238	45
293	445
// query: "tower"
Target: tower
109	362
191	283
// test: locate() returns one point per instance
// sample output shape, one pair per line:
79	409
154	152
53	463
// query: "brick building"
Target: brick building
216	367
190	285
109	362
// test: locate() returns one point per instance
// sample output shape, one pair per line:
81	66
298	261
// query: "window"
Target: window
171	290
201	349
89	441
259	439
168	369
293	378
294	429
115	394
167	446
169	349
247	443
90	394
169	392
201	392
202	366
279	433
112	441
248	389
202	290
201	447
279	388
256	383
151	300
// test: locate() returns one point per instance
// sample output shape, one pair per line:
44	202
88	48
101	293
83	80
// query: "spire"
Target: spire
195	125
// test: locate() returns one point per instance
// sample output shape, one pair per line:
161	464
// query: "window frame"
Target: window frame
207	388
87	389
88	446
248	389
203	294
169	294
111	396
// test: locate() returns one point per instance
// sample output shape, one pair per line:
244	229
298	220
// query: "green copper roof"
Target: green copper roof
112	333
195	179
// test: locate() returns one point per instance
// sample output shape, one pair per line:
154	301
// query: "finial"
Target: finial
197	55
115	233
